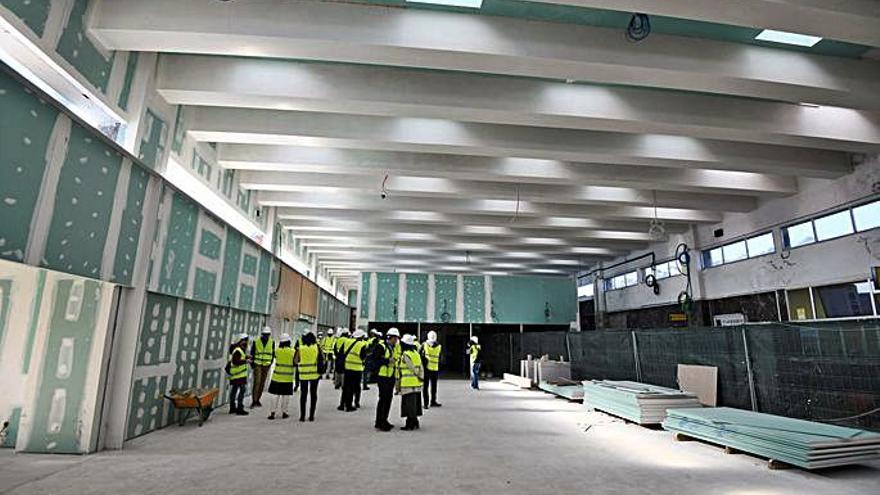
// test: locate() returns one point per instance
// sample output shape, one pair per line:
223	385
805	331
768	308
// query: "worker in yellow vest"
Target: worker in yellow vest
327	345
262	355
281	385
237	371
430	352
369	367
474	351
385	356
309	363
342	340
409	382
353	353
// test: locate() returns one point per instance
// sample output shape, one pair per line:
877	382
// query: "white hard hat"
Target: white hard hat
376	332
329	331
475	340
409	339
393	332
266	329
343	331
285	337
432	336
358	334
243	336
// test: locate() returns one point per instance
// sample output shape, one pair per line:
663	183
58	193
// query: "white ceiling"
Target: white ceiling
495	161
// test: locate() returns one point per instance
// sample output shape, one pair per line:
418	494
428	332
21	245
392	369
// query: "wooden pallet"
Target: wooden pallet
771	463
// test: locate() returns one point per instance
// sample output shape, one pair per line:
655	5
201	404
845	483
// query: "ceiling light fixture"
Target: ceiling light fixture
787	38
468	4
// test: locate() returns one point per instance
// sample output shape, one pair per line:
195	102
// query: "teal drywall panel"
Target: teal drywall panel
153	141
35	318
12	429
33	13
130	228
365	295
189	344
157	330
204	285
386	296
474	299
130	69
561	296
210	245
147	405
416	297
518	299
445	292
249	265
261	299
67	359
5	297
218	325
231	267
25	128
352	297
179	244
83	203
76	47
245	297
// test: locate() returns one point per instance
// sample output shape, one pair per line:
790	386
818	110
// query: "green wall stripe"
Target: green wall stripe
130	69
35	317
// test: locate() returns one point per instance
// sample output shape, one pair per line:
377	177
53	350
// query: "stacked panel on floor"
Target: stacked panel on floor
637	402
563	388
801	443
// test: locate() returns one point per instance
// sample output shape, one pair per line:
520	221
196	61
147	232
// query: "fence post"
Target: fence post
636	356
568	347
752	394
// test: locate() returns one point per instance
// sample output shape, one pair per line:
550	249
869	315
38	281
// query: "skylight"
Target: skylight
470	4
788	38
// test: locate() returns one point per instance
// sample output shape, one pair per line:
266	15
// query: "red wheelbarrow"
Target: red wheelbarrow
200	400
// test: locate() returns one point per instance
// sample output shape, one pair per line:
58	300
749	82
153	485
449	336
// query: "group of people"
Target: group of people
398	364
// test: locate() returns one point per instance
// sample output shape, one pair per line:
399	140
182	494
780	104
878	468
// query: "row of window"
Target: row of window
622	281
751	247
832	226
833	301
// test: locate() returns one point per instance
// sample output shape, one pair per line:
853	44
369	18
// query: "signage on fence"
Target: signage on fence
730	320
678	319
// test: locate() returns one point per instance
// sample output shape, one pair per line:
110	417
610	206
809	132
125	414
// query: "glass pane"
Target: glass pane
674	269
715	257
662	270
799	305
836	225
585	290
632	278
760	245
734	252
867	216
840	301
800	234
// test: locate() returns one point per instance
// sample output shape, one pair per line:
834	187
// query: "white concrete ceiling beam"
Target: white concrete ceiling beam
248	126
393	92
854	21
500	45
514	170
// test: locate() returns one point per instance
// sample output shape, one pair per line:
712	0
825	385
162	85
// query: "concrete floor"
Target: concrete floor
498	440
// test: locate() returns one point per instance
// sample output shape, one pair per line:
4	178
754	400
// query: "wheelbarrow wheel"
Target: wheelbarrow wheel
204	414
182	416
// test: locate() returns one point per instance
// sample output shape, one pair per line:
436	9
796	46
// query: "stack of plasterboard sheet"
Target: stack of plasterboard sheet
801	443
519	381
637	402
563	388
548	371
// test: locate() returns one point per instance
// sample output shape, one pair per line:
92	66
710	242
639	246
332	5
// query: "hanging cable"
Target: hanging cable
683	258
384	192
639	27
516	211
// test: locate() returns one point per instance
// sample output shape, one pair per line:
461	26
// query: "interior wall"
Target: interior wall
53	341
447	298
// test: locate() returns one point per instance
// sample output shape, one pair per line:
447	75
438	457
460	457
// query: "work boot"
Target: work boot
241	412
272	415
285	415
302	419
436	404
385	427
232	410
312	417
340	408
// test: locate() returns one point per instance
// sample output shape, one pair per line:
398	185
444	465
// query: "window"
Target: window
735	252
761	245
632	278
867	216
664	270
843	300
622	281
585	291
800	304
712	258
799	235
835	225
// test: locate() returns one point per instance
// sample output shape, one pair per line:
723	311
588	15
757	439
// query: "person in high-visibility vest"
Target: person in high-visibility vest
327	350
474	351
369	366
237	370
341	342
430	352
309	362
353	353
262	355
281	385
385	357
409	382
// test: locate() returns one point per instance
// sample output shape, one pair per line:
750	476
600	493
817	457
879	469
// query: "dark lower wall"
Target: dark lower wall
757	308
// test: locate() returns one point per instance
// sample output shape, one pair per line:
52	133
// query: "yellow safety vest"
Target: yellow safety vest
327	345
408	379
387	370
239	371
353	361
263	353
340	344
308	362
475	349
432	354
283	372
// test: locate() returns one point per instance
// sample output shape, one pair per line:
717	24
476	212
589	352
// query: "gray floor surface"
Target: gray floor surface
497	440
